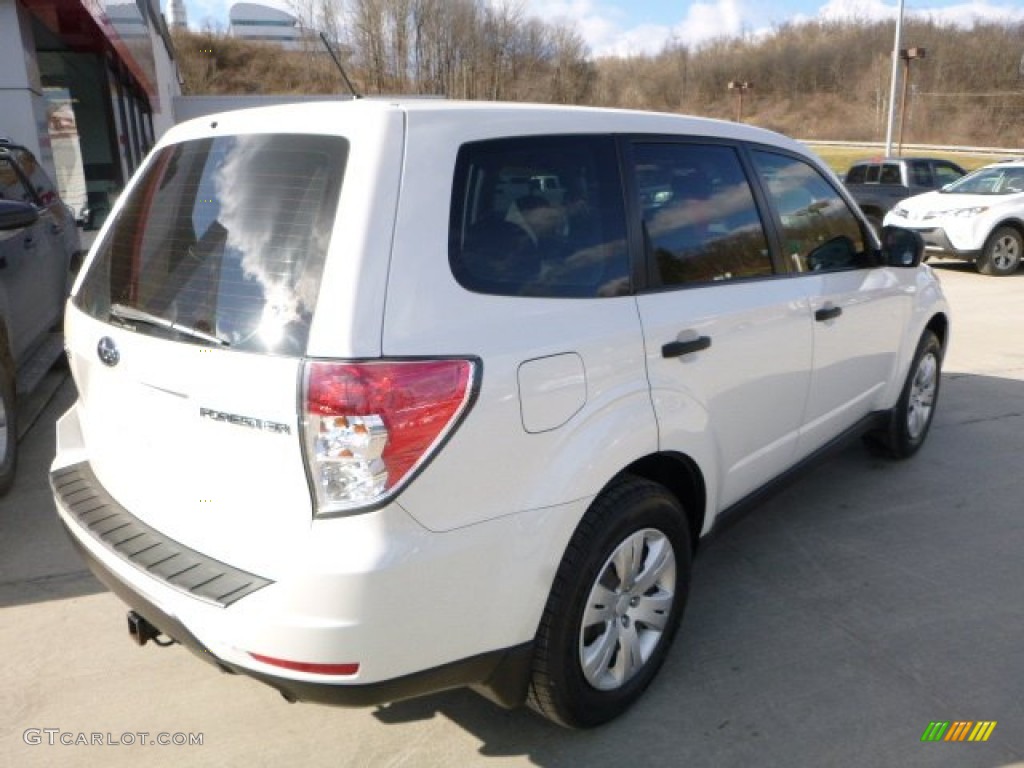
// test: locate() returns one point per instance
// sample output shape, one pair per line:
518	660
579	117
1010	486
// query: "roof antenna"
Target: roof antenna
352	88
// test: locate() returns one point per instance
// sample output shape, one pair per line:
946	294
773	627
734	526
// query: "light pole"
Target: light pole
892	85
740	86
907	55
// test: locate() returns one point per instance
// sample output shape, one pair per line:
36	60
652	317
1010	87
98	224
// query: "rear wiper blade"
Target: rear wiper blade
130	314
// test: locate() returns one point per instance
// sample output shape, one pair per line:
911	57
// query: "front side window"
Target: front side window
819	231
699	217
922	173
222	241
11	185
541	216
946	173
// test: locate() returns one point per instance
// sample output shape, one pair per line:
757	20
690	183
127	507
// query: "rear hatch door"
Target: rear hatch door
187	336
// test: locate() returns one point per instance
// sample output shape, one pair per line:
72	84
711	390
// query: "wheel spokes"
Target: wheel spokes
627	609
922	396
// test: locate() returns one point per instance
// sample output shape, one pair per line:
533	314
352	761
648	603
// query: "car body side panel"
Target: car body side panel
855	356
428	312
751	383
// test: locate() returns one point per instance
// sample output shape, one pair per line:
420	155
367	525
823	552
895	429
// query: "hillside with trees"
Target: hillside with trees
814	80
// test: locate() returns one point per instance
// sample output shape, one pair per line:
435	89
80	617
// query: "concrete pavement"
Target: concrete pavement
829	627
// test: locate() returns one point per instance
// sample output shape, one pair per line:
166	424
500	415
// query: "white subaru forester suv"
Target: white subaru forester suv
381	398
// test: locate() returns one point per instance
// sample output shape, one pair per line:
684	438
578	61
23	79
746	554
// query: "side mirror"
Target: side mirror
14	217
901	247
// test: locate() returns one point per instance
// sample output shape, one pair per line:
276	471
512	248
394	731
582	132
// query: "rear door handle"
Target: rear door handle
680	348
827	313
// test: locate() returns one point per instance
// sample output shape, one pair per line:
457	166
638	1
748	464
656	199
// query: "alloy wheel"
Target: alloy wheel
922	396
627	609
1006	252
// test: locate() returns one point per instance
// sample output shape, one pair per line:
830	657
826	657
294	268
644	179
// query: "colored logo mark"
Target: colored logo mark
959	730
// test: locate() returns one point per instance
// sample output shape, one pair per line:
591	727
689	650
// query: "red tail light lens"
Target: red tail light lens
369	426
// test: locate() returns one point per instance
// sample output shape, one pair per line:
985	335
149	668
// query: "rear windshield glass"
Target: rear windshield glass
222	242
857	174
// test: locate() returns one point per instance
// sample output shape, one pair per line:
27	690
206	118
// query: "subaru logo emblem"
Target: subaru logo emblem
107	351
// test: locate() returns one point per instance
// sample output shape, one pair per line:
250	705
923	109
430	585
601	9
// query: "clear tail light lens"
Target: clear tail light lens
370	426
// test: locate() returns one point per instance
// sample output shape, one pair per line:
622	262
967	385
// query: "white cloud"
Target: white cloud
707	21
962	14
607	30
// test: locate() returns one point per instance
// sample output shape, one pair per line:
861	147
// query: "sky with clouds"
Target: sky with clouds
622	27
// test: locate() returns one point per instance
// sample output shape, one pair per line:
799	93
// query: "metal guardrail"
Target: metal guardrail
927	148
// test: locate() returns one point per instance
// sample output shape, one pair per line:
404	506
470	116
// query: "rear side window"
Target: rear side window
890	174
222	241
820	232
541	216
699	218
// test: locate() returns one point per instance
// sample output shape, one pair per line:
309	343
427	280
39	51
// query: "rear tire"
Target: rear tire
614	607
8	431
912	417
1002	253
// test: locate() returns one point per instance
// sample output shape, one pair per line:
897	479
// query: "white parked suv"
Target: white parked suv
364	413
978	218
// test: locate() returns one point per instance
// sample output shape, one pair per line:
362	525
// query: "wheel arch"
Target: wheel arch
6	356
1012	222
939	325
683	478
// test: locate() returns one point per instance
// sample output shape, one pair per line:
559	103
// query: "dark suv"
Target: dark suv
39	245
878	184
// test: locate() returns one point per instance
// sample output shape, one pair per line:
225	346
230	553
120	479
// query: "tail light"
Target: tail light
370	426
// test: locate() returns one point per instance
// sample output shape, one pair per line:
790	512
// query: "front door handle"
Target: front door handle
680	348
827	313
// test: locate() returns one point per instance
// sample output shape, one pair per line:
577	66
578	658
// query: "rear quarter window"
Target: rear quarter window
222	239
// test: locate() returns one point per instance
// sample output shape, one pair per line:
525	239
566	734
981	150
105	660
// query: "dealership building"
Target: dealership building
88	86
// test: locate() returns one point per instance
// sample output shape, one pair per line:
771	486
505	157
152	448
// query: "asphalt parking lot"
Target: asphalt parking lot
828	628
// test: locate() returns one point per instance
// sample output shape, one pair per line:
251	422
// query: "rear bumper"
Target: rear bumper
500	675
102	532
